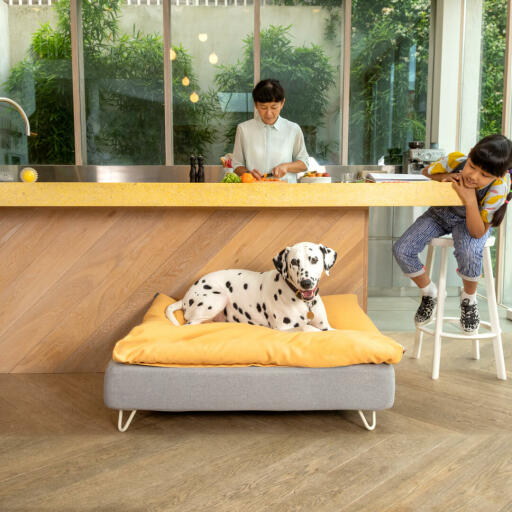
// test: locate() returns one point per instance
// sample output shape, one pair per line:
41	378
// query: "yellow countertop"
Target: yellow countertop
229	195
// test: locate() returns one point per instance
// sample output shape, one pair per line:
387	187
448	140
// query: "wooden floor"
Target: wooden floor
445	446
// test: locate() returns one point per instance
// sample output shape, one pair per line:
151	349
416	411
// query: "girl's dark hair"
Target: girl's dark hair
268	91
494	155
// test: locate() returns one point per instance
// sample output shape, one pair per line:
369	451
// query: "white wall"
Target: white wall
4	44
23	22
446	75
471	77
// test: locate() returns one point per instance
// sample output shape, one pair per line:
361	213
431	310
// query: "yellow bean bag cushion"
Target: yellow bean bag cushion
157	342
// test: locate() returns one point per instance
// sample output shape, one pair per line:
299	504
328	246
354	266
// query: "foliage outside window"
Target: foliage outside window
41	84
388	83
388	77
304	72
493	60
125	111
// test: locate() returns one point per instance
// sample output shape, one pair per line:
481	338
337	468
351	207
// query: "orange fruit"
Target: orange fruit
247	177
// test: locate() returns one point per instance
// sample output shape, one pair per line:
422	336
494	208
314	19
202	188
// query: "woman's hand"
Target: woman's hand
241	170
257	174
280	170
467	195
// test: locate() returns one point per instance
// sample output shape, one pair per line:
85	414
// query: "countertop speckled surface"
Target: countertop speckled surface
218	195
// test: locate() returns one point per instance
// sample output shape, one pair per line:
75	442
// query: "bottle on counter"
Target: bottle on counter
200	169
193	173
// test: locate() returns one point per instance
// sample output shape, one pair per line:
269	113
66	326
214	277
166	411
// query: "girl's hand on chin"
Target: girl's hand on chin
452	177
466	194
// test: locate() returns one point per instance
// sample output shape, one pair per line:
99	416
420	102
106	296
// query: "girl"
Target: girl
482	181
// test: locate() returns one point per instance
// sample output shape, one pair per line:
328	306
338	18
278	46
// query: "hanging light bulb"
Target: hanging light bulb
202	37
194	98
213	58
185	81
173	54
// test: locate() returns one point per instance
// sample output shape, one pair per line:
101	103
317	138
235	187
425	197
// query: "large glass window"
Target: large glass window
212	76
302	46
124	92
388	78
494	25
481	102
35	71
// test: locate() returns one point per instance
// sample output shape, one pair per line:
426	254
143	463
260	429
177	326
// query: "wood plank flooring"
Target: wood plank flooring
446	445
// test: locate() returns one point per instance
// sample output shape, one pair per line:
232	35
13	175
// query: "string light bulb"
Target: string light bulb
185	81
194	98
173	54
202	37
213	58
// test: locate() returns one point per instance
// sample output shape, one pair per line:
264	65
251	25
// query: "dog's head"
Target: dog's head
302	265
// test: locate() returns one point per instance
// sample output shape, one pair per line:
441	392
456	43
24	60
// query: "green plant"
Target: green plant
389	46
493	60
124	93
304	72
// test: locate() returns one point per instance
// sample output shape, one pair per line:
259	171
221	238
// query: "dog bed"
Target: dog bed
164	368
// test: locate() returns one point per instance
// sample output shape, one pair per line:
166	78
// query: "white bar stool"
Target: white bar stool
493	326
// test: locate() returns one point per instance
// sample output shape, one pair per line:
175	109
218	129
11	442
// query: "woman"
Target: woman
269	143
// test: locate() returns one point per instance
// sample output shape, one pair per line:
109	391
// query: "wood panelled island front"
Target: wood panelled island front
77	277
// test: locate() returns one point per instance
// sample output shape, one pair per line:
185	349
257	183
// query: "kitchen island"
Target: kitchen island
81	262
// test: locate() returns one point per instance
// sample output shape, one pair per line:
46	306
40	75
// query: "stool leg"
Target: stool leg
476	349
493	315
441	295
416	354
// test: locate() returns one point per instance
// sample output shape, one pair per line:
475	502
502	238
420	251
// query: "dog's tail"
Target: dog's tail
169	312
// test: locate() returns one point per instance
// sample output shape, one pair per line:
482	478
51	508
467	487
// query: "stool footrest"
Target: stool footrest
453	335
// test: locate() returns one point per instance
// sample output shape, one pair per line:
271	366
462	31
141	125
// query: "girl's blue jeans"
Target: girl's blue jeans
435	222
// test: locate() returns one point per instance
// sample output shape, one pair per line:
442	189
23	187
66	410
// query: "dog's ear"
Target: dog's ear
330	256
281	263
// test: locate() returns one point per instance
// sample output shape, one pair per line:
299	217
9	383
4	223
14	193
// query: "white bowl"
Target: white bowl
319	179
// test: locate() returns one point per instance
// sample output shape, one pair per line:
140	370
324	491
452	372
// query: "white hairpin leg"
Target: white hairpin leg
128	421
374	420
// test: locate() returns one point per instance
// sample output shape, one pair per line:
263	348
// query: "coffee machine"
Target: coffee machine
417	157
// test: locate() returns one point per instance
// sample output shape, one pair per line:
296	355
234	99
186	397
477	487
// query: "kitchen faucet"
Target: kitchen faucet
20	110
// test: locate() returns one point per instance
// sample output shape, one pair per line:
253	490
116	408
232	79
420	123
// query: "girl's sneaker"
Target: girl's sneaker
425	311
469	316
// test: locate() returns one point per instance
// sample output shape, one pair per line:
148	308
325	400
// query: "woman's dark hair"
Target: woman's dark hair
494	155
268	91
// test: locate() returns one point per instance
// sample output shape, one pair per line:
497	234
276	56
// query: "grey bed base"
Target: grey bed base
369	387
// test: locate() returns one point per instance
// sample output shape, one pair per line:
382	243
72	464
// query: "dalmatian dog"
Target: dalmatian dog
285	299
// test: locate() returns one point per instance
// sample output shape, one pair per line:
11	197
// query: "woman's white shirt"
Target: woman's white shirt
262	146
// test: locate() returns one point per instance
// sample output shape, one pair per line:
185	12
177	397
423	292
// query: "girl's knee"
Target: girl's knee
399	248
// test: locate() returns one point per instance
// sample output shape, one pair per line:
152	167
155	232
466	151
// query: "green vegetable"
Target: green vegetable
231	177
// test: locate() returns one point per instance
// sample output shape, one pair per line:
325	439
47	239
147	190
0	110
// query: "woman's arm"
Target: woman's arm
239	158
300	157
281	169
